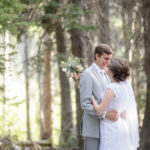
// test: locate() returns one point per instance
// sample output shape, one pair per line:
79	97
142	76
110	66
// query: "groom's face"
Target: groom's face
103	60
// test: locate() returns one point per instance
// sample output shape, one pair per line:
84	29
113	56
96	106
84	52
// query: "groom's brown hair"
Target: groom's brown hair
101	49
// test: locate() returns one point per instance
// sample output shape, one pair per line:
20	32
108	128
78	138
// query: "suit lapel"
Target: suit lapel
98	76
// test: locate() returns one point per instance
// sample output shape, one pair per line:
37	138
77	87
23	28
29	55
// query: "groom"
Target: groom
94	81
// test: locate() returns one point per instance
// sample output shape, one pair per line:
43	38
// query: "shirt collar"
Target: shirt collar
98	68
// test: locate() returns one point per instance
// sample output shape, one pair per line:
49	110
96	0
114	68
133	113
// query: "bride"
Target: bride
122	134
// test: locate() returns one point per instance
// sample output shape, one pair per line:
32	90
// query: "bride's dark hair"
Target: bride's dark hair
120	69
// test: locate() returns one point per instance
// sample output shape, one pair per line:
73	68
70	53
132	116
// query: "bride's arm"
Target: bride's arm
100	108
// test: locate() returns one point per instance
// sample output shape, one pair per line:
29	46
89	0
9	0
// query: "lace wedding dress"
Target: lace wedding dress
123	133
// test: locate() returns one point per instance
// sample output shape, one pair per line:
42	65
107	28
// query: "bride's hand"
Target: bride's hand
94	103
106	70
93	100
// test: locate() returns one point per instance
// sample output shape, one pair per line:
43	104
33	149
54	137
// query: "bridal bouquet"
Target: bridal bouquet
73	68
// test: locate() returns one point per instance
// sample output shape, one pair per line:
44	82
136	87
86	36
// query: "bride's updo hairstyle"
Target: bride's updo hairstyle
120	69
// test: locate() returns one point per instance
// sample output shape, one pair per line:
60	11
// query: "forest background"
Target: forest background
39	103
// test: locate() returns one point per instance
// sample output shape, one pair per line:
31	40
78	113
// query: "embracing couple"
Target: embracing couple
110	119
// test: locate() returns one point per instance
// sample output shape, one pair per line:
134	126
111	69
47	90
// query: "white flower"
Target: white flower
64	69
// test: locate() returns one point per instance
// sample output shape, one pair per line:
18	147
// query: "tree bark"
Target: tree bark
46	94
138	60
77	50
66	107
39	71
127	19
146	123
104	22
5	75
90	38
27	87
77	46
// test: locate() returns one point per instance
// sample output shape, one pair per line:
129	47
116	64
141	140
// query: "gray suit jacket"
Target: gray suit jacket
91	83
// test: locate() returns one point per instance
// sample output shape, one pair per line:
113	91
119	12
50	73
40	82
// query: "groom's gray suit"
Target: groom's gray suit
93	81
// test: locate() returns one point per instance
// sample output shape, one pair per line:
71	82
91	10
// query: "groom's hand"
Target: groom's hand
112	115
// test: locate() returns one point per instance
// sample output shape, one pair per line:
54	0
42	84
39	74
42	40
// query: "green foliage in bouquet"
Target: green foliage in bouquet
73	67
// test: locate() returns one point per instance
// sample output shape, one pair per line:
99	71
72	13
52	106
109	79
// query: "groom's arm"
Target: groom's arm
86	94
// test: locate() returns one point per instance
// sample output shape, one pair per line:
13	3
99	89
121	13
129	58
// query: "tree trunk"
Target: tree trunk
77	46
137	61
66	108
146	123
90	38
4	101
5	77
27	86
77	50
39	71
46	95
104	22
127	19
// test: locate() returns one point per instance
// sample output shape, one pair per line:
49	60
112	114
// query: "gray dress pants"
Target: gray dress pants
91	143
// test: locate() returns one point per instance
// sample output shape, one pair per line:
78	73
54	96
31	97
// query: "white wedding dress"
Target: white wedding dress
123	133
